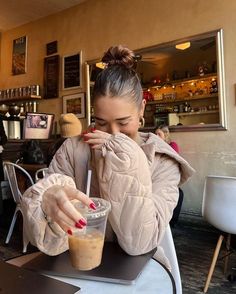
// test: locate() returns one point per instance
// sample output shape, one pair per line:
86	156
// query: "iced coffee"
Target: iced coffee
86	245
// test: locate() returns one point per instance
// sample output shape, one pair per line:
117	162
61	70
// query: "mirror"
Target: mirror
183	83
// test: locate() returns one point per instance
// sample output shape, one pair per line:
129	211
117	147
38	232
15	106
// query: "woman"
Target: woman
137	172
164	133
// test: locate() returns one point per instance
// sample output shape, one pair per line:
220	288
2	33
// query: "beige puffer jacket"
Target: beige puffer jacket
141	182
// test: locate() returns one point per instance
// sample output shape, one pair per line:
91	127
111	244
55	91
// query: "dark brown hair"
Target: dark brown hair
119	78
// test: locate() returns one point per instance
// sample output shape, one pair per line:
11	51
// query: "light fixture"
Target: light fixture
100	65
183	46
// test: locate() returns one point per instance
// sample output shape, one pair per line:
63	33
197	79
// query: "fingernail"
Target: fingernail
93	129
85	138
78	225
69	232
93	206
84	133
82	222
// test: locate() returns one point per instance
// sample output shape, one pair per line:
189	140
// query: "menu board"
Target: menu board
51	76
71	71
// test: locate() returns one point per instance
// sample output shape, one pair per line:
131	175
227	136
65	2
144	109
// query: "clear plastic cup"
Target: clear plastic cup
86	245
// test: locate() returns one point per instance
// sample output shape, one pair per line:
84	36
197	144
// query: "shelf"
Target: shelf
185	80
193	79
20	99
189	98
197	113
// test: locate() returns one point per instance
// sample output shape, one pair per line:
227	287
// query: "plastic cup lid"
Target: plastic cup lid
102	208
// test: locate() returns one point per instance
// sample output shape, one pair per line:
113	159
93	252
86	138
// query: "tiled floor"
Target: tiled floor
194	245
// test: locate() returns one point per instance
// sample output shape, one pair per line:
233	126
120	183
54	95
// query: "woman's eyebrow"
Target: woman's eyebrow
122	118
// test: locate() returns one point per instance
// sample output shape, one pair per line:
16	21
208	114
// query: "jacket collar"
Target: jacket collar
154	144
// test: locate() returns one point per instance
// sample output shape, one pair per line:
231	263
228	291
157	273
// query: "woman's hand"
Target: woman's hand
96	139
56	204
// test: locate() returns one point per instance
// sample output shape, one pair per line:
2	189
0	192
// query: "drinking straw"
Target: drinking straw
88	182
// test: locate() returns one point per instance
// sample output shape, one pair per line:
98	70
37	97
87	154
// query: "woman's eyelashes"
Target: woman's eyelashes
101	124
119	123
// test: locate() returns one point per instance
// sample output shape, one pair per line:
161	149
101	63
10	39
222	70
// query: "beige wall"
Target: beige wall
96	24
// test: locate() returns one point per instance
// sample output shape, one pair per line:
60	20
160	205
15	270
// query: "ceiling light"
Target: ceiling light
100	65
183	46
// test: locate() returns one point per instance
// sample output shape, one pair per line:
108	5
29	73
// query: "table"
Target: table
154	279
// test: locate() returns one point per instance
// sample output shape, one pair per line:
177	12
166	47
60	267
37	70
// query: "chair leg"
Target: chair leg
25	240
228	241
25	243
11	226
213	263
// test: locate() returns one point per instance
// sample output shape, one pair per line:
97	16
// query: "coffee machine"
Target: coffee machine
14	122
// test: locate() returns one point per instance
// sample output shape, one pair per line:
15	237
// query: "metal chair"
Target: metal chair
218	209
168	245
40	173
11	171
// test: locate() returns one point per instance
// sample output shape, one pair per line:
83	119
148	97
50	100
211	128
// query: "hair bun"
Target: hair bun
119	55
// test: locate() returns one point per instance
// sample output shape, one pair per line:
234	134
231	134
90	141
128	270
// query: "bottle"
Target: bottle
186	107
22	110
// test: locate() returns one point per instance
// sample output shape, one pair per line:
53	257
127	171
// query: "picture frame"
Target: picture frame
38	125
51	76
51	48
72	71
19	55
74	103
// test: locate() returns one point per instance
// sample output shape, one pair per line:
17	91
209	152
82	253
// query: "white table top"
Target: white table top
154	279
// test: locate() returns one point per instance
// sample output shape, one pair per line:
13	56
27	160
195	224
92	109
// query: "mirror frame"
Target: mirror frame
222	125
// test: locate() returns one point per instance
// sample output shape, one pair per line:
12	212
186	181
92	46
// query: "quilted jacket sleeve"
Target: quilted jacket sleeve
140	210
48	237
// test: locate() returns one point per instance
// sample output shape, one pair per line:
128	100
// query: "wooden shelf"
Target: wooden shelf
195	78
197	113
19	99
189	98
185	80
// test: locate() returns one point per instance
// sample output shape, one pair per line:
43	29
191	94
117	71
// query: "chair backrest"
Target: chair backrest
168	245
219	203
11	170
40	173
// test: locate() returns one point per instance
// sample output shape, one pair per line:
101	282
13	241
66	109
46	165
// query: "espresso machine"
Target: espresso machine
14	122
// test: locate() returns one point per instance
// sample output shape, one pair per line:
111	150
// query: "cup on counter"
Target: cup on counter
86	245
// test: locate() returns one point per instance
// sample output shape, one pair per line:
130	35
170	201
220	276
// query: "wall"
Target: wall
95	25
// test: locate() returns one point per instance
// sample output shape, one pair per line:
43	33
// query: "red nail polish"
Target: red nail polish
82	222
92	205
85	138
69	232
93	129
78	225
84	133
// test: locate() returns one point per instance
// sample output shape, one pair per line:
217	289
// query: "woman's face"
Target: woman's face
160	133
117	115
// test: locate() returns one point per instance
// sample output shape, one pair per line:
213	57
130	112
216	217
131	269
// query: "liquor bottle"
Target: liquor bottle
186	107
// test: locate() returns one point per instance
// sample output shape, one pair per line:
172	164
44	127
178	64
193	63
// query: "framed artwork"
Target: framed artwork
71	71
38	125
19	56
51	48
51	76
74	103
